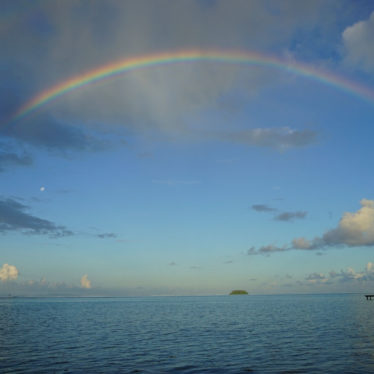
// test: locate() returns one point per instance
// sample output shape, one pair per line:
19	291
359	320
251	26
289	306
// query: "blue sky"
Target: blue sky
186	179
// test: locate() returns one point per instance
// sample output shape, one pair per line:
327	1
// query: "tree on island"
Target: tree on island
239	292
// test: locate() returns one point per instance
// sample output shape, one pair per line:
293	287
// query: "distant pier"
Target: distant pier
369	297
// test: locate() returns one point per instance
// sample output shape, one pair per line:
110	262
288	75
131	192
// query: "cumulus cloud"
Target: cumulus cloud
289	216
14	217
44	287
344	275
358	43
8	272
302	243
85	282
353	230
350	274
317	278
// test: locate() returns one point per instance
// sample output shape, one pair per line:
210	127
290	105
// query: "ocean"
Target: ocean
207	334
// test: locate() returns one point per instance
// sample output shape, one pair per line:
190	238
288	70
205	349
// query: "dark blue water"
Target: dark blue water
216	334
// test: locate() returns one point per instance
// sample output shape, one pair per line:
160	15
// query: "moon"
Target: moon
42	188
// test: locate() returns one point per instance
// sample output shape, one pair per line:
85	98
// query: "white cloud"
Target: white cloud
317	278
370	267
8	272
358	42
301	243
266	250
347	275
350	274
85	282
44	287
354	230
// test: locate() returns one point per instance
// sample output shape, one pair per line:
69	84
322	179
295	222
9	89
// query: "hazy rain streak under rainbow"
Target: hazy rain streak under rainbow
229	57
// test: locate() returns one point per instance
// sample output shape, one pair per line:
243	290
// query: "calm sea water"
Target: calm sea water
216	334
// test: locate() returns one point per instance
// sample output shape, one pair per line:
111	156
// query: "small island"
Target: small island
238	292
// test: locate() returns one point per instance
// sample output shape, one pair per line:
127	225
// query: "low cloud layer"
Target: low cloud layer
8	272
14	217
44	287
354	230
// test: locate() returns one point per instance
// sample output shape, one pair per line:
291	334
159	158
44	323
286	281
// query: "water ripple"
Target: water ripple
254	334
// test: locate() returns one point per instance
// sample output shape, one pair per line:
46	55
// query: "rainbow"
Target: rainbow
123	66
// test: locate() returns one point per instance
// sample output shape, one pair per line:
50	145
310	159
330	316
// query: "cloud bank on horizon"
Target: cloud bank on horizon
343	276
